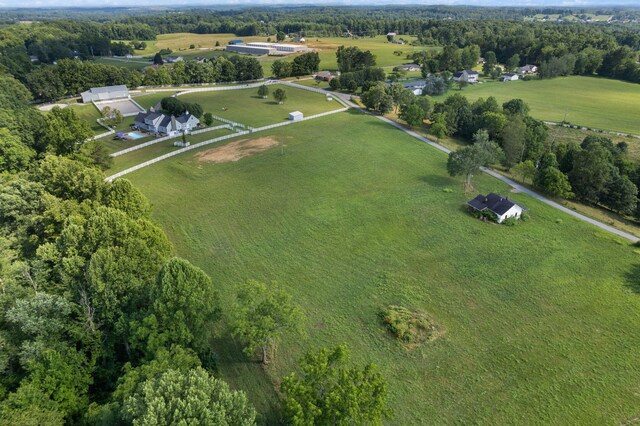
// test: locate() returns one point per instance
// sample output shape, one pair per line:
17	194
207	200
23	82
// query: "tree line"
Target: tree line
71	76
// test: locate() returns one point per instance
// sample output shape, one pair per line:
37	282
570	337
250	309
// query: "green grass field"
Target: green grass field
542	320
379	46
146	101
587	101
180	44
244	106
89	114
141	155
133	64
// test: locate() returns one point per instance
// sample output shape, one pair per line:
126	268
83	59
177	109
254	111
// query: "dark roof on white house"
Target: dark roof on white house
415	84
184	117
492	202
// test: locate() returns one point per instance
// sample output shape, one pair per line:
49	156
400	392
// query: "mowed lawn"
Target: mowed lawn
246	107
541	320
148	100
587	101
89	114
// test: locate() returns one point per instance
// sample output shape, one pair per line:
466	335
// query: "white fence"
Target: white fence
233	123
165	138
101	135
208	129
210	141
171	154
317	90
187	85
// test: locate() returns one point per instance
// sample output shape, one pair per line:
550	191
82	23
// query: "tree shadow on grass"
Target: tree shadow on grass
632	278
441	181
244	373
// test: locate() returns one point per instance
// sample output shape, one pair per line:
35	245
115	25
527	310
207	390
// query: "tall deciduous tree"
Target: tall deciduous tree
65	132
261	315
526	170
551	179
280	95
468	160
14	155
263	91
330	392
513	141
591	173
281	68
185	304
192	397
377	99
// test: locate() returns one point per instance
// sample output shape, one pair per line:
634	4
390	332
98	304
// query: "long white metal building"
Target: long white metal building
250	50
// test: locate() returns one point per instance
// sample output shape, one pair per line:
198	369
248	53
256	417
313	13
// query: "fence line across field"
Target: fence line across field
165	138
210	141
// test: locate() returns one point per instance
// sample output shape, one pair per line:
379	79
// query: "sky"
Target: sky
138	3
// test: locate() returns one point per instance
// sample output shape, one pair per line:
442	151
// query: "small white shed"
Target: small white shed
295	116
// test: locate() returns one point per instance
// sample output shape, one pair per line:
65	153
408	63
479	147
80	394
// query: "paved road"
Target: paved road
504	179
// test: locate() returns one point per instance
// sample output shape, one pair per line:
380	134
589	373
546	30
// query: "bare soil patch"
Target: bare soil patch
236	150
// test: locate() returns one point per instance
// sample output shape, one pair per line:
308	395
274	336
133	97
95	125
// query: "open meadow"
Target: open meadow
586	101
541	321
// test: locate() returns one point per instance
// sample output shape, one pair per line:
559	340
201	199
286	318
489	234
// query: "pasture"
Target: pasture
246	107
541	320
141	155
387	54
586	101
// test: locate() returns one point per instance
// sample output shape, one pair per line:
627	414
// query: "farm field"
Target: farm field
244	106
559	134
541	320
587	101
180	44
379	46
133	64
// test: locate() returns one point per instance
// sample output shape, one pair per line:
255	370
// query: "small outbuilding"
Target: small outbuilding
501	207
296	116
510	77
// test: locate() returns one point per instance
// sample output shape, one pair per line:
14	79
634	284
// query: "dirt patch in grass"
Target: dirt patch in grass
237	150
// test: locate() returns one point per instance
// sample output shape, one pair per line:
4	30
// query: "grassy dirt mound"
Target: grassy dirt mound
412	328
237	150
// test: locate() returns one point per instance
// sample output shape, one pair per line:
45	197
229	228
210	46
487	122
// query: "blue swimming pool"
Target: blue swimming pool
135	135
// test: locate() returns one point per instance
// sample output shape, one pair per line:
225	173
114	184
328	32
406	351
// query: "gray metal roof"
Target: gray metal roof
107	89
